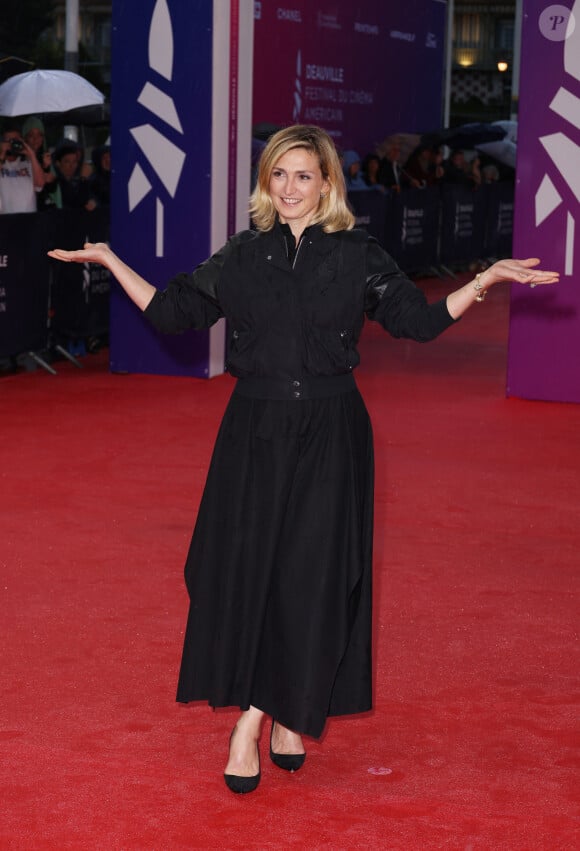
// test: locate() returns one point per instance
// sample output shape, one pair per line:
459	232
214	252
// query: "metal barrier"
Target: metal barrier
439	227
43	303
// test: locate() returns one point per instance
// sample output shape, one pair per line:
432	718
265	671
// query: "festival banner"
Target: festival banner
181	97
361	70
412	231
500	219
463	224
544	345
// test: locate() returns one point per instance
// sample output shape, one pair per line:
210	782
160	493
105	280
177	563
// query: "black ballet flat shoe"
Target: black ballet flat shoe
287	761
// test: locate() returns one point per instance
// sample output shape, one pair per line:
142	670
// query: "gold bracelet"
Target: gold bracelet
481	293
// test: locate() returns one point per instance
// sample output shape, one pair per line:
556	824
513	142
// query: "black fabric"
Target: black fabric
286	321
318	387
279	569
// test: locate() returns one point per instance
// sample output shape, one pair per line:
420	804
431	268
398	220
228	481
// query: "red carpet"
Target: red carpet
471	743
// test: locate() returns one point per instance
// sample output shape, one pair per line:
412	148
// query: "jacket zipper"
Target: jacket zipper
297	251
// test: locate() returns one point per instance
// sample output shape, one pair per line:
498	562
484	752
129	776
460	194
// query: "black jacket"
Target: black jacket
293	320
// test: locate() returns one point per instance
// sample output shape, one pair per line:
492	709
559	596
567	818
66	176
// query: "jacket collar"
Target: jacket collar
273	249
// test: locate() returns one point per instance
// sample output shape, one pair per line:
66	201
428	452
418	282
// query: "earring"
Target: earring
323	194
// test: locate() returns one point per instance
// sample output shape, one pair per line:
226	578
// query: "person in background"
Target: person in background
490	173
457	171
422	166
474	170
391	173
34	134
370	171
351	167
73	188
279	571
100	179
21	175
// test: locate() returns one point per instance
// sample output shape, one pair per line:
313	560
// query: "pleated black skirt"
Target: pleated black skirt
279	568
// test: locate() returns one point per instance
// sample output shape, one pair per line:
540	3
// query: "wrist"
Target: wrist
479	287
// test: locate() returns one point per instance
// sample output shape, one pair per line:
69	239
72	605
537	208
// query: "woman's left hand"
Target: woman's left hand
520	271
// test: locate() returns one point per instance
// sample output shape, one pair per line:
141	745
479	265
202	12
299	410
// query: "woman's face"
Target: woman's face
296	184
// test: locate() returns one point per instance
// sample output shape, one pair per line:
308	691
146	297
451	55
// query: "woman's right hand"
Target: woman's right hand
92	252
137	288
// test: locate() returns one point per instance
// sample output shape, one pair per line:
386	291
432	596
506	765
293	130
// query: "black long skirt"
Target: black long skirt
279	568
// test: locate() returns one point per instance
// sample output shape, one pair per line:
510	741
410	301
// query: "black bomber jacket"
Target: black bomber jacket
302	318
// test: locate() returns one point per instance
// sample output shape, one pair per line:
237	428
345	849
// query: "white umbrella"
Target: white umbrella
504	151
510	129
42	91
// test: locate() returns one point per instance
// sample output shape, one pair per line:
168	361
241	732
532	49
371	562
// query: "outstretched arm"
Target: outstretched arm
38	175
520	271
136	287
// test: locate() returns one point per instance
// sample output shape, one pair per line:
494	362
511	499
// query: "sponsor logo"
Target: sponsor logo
401	36
366	29
293	15
257	10
430	40
328	21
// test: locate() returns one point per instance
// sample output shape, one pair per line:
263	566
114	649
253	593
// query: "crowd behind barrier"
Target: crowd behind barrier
42	301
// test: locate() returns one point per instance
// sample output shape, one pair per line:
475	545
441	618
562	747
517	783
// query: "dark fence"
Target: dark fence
439	226
42	300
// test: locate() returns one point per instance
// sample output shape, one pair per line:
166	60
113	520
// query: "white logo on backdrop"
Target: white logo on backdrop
297	110
562	150
164	156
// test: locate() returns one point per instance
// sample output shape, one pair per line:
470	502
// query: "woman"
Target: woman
279	570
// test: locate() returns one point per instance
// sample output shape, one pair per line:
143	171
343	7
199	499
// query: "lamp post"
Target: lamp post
71	52
71	44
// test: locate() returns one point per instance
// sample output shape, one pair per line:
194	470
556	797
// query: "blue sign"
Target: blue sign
161	159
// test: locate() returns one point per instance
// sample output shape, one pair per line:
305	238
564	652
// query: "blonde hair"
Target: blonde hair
333	212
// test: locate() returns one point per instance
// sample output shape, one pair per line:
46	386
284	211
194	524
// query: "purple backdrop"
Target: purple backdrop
544	351
360	70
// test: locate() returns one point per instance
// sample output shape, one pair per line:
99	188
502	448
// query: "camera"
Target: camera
16	147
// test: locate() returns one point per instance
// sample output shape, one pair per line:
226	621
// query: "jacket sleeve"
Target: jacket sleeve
394	301
191	299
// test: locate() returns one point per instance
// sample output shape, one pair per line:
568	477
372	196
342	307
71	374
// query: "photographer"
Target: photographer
21	175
